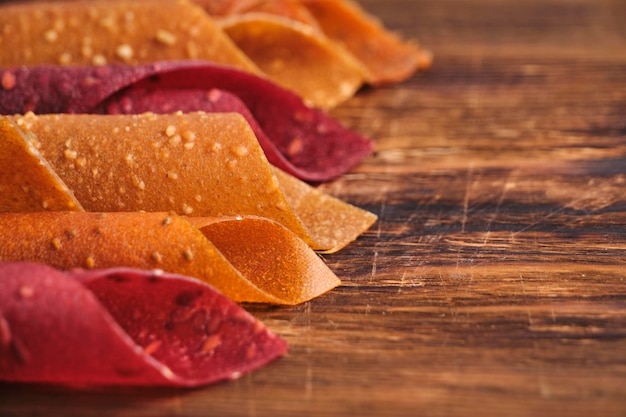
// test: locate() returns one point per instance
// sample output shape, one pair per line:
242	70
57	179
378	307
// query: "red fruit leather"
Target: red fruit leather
123	327
299	139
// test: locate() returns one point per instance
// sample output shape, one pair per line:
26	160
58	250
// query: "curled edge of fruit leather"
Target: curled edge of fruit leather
297	57
335	222
27	180
124	327
100	32
194	164
248	259
386	56
296	138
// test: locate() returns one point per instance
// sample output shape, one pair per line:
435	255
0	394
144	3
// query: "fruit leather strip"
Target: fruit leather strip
26	180
273	258
297	56
104	32
303	141
247	259
328	217
387	57
196	164
123	327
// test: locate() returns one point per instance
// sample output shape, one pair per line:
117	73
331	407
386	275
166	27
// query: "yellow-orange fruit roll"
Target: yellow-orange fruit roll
108	32
297	56
249	259
194	164
386	56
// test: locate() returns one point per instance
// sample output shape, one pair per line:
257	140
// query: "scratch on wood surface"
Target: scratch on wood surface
550	215
379	232
508	185
530	316
402	278
470	281
466	198
410	283
374	266
381	214
443	285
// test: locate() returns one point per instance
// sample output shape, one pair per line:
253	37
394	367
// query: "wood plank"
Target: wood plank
494	281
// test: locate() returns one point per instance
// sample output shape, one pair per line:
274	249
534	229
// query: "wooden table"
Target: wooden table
494	282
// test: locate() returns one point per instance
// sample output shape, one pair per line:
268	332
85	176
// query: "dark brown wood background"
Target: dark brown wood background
494	281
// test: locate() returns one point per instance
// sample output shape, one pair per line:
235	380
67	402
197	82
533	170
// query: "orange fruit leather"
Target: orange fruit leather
385	56
248	259
297	57
102	32
195	164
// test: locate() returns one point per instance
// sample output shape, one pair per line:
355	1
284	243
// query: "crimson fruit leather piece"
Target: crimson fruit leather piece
303	141
123	327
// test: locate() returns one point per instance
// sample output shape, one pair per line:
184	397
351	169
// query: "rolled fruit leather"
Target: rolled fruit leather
135	32
297	56
302	141
385	56
248	259
123	327
105	32
194	164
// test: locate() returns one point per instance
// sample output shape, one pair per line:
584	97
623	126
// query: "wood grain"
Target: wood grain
494	282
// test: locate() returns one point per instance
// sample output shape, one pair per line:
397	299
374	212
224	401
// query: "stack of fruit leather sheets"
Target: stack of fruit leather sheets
159	168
